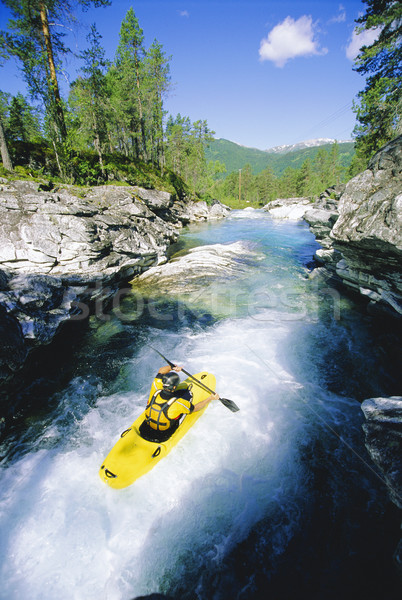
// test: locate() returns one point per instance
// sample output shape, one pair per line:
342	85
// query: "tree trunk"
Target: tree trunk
97	146
52	70
57	159
142	128
5	156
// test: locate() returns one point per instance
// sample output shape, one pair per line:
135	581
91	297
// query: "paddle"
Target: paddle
225	401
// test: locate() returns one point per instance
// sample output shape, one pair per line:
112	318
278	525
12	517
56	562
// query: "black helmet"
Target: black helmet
170	381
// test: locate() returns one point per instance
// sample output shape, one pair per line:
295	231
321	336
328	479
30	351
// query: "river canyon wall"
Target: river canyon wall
66	250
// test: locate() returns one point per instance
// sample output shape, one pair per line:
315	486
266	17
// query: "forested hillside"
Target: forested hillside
111	125
269	175
234	156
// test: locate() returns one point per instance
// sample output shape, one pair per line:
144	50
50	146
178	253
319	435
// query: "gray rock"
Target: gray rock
383	439
362	239
13	350
192	271
207	279
288	208
154	199
57	234
321	222
65	252
201	211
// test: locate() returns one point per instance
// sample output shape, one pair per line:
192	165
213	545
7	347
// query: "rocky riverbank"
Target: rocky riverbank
361	238
64	251
359	228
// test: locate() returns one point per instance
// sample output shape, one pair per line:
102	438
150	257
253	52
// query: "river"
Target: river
279	500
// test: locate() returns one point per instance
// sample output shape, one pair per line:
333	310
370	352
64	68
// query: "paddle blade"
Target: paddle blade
229	404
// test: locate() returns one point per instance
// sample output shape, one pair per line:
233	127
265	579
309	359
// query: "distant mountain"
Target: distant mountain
235	156
306	144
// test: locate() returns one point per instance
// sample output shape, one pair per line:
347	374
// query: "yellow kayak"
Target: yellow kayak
133	456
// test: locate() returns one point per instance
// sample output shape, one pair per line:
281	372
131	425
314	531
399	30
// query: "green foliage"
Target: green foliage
114	122
37	161
37	157
21	120
234	157
128	88
319	171
35	38
114	117
89	98
380	108
112	128
157	83
186	144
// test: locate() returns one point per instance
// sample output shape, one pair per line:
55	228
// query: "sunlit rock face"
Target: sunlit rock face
63	250
192	271
368	231
288	208
362	239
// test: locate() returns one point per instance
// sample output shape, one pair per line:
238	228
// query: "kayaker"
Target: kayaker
168	404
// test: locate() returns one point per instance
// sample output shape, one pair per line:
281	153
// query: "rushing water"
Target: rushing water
278	500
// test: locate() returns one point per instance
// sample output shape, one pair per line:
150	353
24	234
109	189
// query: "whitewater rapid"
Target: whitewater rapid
66	535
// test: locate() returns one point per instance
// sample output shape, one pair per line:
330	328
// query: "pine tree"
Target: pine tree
177	132
157	78
5	154
89	97
129	75
379	112
287	183
23	121
265	186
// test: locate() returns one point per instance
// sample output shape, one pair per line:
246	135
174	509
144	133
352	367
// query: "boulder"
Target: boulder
321	222
288	208
192	271
201	211
383	439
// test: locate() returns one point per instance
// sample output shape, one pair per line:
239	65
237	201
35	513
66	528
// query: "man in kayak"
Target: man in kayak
168	404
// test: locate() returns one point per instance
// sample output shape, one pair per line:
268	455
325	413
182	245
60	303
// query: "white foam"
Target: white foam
65	534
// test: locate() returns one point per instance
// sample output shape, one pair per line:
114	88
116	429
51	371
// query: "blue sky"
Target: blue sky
261	73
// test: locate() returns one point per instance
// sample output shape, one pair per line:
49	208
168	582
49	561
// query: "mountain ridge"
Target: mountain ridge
305	144
235	157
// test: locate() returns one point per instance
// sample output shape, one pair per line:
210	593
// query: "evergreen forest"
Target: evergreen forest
111	126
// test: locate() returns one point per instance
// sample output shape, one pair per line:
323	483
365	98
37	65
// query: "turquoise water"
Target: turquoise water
278	500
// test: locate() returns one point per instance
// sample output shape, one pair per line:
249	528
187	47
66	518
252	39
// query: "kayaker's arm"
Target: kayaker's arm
168	368
203	403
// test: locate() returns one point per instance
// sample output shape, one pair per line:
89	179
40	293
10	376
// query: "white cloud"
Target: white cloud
358	40
341	17
290	39
184	13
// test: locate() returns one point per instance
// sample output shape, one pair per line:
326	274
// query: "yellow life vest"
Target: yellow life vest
156	413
